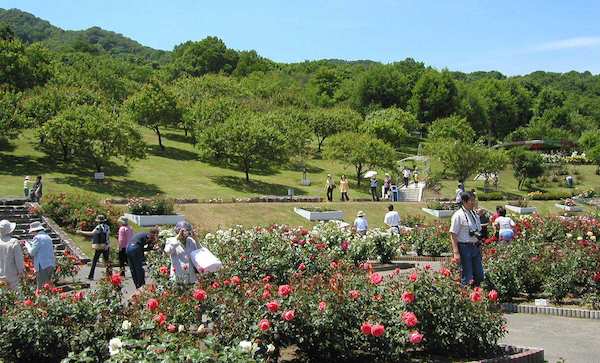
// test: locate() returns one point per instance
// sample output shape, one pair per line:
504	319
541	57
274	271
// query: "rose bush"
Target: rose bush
78	210
430	240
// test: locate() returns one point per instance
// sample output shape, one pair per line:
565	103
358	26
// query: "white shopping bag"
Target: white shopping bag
205	261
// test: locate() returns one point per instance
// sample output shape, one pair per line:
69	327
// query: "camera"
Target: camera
475	234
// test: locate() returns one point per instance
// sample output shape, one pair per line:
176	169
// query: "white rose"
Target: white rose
114	346
201	329
593	238
590	234
580	238
569	235
181	328
126	325
270	348
245	346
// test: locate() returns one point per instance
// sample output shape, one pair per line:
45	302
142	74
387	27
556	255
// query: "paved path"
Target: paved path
574	340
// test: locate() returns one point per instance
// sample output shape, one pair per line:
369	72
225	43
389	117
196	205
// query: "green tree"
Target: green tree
21	66
6	33
460	158
210	55
526	165
453	127
249	62
492	161
154	106
590	143
434	96
326	122
391	125
363	151
89	134
11	120
381	87
247	140
548	99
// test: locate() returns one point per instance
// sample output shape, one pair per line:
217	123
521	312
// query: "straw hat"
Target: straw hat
36	226
7	227
360	214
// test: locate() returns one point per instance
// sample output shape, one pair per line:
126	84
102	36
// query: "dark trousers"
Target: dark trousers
105	256
374	194
386	192
406	182
135	259
345	196
122	260
330	194
471	264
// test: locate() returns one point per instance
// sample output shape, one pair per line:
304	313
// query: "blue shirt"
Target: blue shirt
42	251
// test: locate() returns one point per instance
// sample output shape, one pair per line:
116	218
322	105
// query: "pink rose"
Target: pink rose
415	337
376	278
344	246
289	315
413	277
264	325
322	306
445	272
302	267
266	294
235	280
475	296
408	297
427	267
215	285
493	295
27	302
164	270
409	318
366	328
78	296
377	330
266	279
273	306
199	295
284	290
171	328
161	318
354	294
152	304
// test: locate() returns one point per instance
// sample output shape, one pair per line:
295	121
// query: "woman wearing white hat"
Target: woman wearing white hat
42	251
11	256
360	223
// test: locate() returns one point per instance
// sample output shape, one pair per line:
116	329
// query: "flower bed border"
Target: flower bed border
423	259
334	215
551	310
524	355
151	220
520	210
439	213
568	209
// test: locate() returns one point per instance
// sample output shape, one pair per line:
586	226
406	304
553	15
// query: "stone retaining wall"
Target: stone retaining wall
518	355
551	310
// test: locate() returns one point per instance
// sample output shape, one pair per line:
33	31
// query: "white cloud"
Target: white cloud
578	42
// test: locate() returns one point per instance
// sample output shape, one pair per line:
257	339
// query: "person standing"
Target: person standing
387	183
360	223
37	190
416	177
12	265
374	185
179	249
344	188
100	244
135	254
459	192
465	234
125	234
330	185
392	219
405	176
26	190
504	225
41	250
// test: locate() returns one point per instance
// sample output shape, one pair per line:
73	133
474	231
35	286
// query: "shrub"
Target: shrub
554	195
491	196
158	205
432	240
78	210
439	205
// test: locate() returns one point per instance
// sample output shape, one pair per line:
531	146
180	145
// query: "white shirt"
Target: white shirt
458	198
504	223
392	219
406	173
462	222
361	224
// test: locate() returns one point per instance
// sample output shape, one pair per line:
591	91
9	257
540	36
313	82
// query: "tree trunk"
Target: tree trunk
157	130
321	140
247	170
358	172
185	130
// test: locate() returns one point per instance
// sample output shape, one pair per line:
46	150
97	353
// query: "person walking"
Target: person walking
387	184
415	175
405	176
41	249
504	225
100	243
459	191
179	249
374	185
392	219
465	234
124	235
26	190
330	185
37	190
344	188
12	265
360	223
135	254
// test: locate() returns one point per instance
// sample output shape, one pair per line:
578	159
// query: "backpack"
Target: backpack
102	237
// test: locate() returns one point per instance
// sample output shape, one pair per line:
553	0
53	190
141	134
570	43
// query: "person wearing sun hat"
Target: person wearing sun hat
360	223
11	256
40	248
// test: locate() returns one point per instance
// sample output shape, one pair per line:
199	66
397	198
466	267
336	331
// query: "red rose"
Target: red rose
445	272
321	246
302	267
597	276
226	282
152	304
215	285
409	318
344	246
264	325
235	280
366	328
200	295
322	306
333	265
47	286
27	302
266	294
493	295
304	231
78	296
171	328
289	315
266	279
354	294
475	296
427	267
160	318
284	290
116	280
164	270
273	306
408	297
415	337
376	278
413	277
377	330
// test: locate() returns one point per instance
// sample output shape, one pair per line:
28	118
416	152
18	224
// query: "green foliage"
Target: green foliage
21	66
391	125
434	96
362	151
381	87
548	99
433	240
209	55
326	122
453	127
78	210
158	205
10	117
462	159
526	165
492	161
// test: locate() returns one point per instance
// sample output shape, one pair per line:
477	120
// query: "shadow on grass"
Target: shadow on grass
121	188
6	145
27	165
177	137
299	167
255	170
254	186
172	153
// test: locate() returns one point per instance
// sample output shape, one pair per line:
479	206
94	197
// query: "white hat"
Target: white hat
360	214
7	227
27	177
36	226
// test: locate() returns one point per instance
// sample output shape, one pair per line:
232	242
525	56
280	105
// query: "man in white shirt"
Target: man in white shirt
406	176
465	233
392	219
360	223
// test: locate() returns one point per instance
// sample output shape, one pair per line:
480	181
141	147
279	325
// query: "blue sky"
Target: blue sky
514	37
